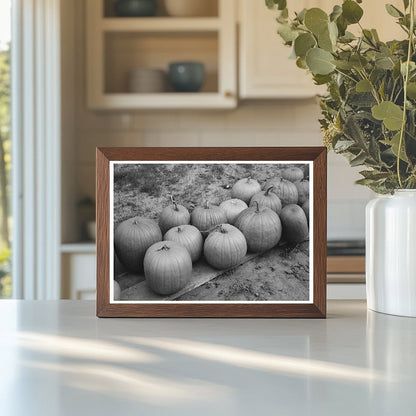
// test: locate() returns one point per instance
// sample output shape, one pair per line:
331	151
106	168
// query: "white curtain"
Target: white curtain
36	148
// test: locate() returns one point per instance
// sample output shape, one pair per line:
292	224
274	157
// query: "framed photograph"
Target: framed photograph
211	232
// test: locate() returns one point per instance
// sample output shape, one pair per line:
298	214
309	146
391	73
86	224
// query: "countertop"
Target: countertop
57	358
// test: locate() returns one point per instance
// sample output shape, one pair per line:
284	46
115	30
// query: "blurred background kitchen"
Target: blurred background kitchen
126	80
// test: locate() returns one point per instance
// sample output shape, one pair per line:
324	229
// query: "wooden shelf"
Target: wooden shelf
346	264
87	247
160	24
199	100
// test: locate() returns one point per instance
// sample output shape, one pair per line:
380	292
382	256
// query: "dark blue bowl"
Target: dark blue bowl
186	76
135	8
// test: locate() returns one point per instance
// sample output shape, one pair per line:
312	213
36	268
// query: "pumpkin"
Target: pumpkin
293	174
261	227
284	189
306	171
118	266
173	215
167	267
295	224
244	189
303	191
225	247
116	291
267	199
205	218
232	208
189	237
305	208
131	240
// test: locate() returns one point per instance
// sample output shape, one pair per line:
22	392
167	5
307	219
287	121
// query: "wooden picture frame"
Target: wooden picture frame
313	307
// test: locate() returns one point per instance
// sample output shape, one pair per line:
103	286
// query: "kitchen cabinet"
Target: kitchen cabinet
265	70
118	45
78	262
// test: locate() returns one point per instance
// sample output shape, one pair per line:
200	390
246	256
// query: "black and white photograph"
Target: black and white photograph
211	232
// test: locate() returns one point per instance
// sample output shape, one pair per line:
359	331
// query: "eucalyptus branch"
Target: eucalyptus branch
406	80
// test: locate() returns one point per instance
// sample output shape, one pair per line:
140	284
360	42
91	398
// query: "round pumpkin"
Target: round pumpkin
116	291
261	228
306	171
173	215
118	266
267	199
131	240
303	191
189	237
295	224
205	218
167	267
284	189
305	208
244	189
232	208
225	247
293	174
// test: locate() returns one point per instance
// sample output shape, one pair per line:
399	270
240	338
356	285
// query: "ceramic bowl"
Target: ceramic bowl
147	80
135	8
186	76
191	8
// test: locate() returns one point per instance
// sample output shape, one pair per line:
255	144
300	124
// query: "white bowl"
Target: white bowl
147	80
191	8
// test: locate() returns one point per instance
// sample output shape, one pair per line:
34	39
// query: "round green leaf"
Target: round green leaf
351	11
316	20
363	86
303	43
287	33
384	62
301	63
391	114
336	12
319	61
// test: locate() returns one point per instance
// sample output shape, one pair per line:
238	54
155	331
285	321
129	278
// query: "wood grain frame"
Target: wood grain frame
317	309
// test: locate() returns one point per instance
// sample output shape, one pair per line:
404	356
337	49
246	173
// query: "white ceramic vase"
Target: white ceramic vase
391	253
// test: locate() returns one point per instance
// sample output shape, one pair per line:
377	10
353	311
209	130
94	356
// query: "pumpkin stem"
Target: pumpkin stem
257	206
175	205
268	190
163	248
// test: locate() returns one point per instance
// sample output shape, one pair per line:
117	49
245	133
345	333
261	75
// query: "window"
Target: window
5	145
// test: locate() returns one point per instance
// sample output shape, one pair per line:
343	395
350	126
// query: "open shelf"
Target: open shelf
160	24
118	45
210	7
126	51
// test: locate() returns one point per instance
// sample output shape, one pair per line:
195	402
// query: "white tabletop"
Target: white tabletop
57	358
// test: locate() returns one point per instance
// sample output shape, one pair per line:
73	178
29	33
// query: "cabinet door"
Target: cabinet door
78	276
265	68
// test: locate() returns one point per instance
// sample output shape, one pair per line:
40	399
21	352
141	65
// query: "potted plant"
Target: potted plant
369	116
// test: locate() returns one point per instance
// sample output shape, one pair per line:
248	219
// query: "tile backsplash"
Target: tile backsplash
257	123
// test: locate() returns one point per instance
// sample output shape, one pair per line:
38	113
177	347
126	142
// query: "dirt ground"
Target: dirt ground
280	274
144	190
